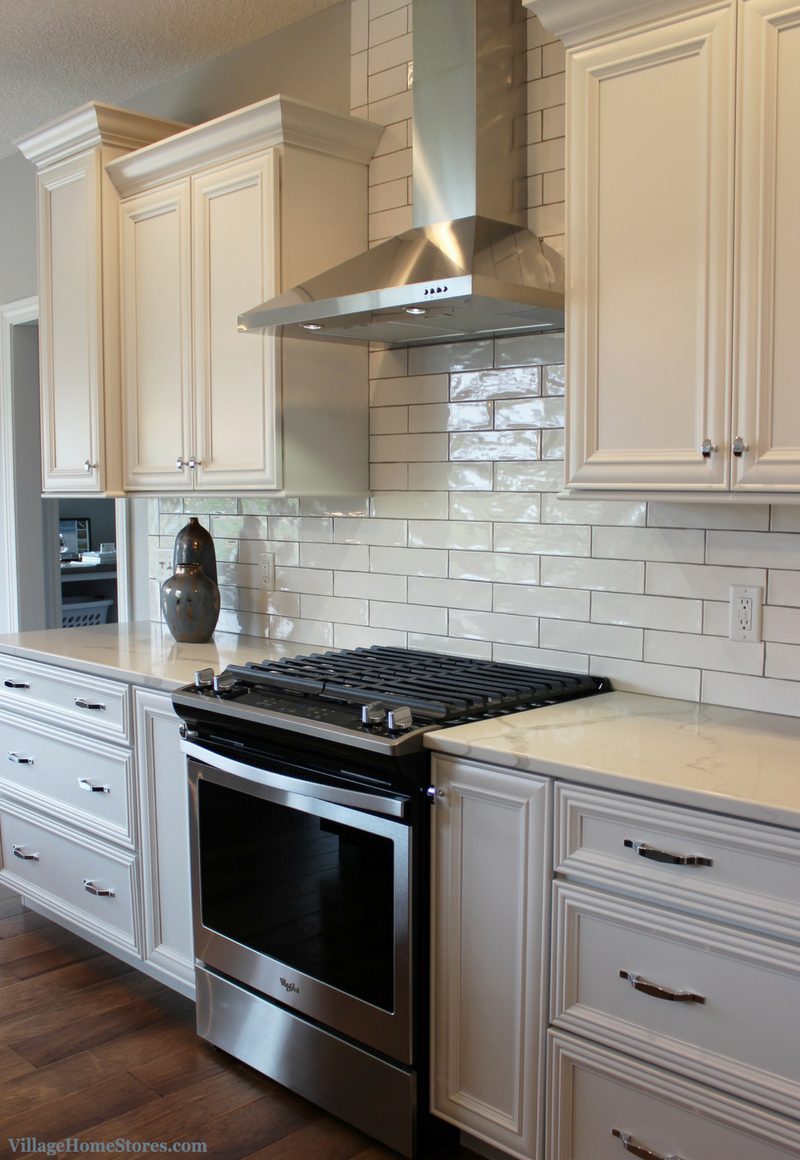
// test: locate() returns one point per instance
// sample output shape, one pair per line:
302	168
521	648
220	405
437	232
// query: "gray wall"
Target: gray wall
17	228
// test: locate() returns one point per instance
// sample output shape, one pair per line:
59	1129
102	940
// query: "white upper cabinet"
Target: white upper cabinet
79	292
683	248
217	220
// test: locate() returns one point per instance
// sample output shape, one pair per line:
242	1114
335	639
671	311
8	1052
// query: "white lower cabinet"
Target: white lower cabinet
95	834
166	883
491	852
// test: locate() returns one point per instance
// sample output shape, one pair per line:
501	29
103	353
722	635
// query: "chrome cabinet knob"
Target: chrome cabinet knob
15	757
87	785
635	1149
91	888
82	703
739	447
179	463
193	463
707	447
9	684
18	852
88	466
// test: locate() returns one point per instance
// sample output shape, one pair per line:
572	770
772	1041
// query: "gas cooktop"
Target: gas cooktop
373	698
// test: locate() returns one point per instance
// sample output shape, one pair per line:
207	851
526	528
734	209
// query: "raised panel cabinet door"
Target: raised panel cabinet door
236	265
70	328
766	413
157	339
650	172
164	807
491	849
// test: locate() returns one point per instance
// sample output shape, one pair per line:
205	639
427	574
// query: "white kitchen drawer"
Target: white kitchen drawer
81	781
90	704
593	1092
65	862
753	879
743	1038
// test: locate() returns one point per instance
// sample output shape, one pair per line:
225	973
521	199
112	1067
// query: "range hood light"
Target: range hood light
416	310
313	326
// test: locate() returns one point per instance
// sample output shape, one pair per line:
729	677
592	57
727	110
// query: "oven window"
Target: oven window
311	893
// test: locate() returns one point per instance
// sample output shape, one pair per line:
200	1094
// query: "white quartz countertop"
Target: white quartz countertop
143	653
733	761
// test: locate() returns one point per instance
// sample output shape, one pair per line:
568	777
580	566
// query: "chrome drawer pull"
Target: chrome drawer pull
640	984
90	888
87	785
16	684
15	757
661	856
630	1145
17	852
81	703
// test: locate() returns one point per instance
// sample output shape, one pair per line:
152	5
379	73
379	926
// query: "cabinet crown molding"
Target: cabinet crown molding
578	21
90	125
278	120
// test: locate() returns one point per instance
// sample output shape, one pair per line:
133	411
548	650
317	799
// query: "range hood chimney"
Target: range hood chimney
469	268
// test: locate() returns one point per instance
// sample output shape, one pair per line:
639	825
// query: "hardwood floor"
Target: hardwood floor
92	1050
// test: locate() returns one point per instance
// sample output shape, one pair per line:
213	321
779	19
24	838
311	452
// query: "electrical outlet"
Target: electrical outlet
164	567
745	614
266	572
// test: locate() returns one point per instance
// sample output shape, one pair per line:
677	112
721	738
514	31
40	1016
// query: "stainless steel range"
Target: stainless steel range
310	865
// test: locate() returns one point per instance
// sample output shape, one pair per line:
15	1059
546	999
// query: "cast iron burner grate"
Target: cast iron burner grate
434	686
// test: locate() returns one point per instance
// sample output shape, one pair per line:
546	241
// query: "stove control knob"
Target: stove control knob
399	720
204	679
373	714
224	683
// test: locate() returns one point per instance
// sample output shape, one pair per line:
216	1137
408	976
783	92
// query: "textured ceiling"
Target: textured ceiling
58	54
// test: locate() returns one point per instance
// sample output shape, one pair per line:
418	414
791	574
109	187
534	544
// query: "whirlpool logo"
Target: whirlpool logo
290	986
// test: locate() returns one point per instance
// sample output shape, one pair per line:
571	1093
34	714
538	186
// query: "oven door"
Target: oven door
300	891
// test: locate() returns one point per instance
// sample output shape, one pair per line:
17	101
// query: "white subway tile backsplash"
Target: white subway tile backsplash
544	658
552	444
529	476
336	505
784	588
495	445
700	581
479	649
390	53
450	593
544	539
450	476
781	624
370	586
356	636
508	507
389	391
274	603
408	617
450	357
553	380
754	549
763	694
359	25
540	413
533	350
450	417
703	652
371	531
604	640
785	518
716	618
344	557
301	529
409	561
342	610
595	575
408	448
313	632
495	626
388	476
783	661
421	505
615	513
519	381
656	680
647	611
742	517
387	27
534	600
388	363
312	580
669	544
495	566
464	534
286	552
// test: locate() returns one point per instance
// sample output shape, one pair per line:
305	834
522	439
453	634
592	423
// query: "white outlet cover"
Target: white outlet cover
746	602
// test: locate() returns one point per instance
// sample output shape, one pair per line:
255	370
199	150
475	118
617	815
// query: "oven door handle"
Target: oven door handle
392	807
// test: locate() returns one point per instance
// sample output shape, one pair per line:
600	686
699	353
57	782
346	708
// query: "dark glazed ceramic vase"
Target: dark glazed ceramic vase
194	545
190	603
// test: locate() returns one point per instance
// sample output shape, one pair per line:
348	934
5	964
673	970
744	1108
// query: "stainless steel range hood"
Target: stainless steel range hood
469	267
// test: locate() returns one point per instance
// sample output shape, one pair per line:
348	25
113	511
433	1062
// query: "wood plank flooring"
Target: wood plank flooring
92	1050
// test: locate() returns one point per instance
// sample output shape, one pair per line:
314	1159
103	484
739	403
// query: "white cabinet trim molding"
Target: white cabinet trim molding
577	22
276	121
91	125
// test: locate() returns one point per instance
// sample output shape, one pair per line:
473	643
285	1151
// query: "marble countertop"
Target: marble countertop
733	761
143	653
